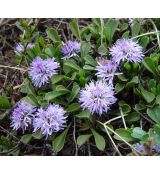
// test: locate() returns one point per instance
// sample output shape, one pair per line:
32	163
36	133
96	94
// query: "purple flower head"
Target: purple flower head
41	70
126	49
107	69
19	48
49	120
30	45
139	147
97	97
70	48
22	115
156	148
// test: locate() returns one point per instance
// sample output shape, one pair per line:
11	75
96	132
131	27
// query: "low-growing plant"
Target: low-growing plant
100	88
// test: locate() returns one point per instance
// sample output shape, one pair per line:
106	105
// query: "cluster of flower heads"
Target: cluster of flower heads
47	120
141	148
41	70
123	50
20	47
98	96
70	49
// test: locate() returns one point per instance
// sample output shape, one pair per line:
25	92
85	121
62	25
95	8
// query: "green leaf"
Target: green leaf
157	129
54	94
125	35
61	88
123	26
75	28
85	48
97	22
82	139
53	35
84	114
155	137
152	84
137	92
112	25
148	96
149	65
158	89
89	60
154	113
27	89
102	49
71	64
110	29
122	77
100	142
73	107
132	117
74	93
140	106
128	66
138	133
88	67
4	102
132	82
32	99
125	134
49	50
58	142
135	28
119	87
26	138
56	78
144	41
37	135
125	107
37	49
158	100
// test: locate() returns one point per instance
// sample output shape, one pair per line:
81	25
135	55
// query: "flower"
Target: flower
41	70
49	120
70	48
22	115
107	69
97	97
30	45
156	148
139	147
126	49
20	47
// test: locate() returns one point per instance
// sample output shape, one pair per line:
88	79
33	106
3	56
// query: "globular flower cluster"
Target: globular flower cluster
126	49
106	69
49	120
70	49
97	97
41	70
22	115
20	47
